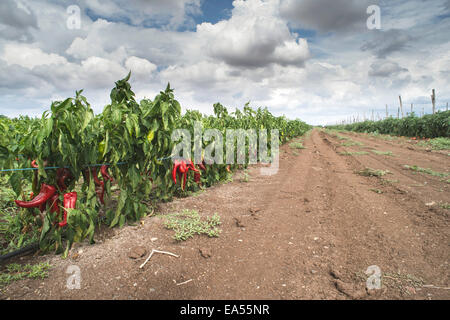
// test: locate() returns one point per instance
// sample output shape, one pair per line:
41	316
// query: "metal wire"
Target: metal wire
91	165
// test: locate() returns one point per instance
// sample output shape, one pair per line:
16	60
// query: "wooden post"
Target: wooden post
398	113
423	111
373	118
411	108
401	105
447	107
433	101
387	113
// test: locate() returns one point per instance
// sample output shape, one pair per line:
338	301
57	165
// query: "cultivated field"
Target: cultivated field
345	202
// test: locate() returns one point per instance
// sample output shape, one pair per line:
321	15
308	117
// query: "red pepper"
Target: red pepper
100	185
174	173
176	164
184	179
46	193
182	167
54	205
191	166
182	170
93	171
54	202
96	179
197	177
70	201
35	165
202	166
62	174
104	172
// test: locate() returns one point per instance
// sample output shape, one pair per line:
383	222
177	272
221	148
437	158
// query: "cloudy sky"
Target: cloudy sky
311	59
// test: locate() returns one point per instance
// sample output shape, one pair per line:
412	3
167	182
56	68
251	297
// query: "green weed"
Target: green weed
189	223
383	153
388	181
368	172
427	171
352	143
15	272
437	143
445	205
359	153
296	145
245	177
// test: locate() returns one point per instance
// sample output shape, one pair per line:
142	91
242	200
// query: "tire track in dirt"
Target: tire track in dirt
416	189
429	224
401	145
401	154
354	221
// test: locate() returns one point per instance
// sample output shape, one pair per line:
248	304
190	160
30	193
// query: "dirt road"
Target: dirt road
309	232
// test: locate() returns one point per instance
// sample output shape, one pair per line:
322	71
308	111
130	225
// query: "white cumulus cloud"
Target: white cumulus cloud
255	36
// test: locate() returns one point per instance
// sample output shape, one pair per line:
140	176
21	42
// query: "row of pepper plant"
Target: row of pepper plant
112	167
428	126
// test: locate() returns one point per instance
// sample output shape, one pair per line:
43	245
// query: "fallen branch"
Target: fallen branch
434	287
157	251
179	284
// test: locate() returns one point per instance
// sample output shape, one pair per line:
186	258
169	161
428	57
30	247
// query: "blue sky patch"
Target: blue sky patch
215	11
